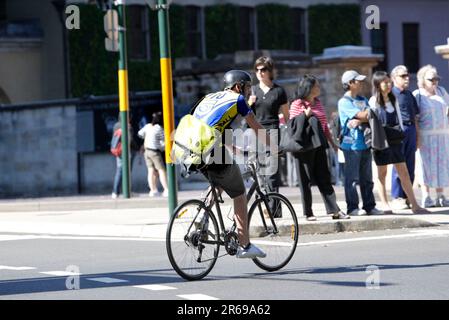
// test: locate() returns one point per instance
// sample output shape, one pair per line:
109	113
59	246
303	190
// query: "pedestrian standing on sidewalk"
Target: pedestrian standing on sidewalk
154	143
385	105
409	113
268	100
353	111
433	102
313	164
134	147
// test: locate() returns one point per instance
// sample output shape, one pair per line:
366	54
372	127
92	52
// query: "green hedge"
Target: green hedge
274	26
221	24
333	25
178	38
94	70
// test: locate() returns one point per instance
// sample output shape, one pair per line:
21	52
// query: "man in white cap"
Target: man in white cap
353	111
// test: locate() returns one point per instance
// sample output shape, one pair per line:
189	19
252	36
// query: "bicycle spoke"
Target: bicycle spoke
189	255
275	232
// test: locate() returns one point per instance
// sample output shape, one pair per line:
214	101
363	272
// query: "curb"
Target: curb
371	224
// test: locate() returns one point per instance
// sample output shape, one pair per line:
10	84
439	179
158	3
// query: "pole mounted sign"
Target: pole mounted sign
111	28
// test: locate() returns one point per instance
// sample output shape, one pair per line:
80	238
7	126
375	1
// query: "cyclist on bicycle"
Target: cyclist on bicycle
219	110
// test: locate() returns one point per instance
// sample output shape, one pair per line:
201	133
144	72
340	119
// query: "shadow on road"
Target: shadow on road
54	284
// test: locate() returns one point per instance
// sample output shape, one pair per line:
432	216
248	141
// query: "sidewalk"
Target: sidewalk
144	217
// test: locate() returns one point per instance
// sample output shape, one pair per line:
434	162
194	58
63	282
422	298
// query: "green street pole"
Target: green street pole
124	99
167	99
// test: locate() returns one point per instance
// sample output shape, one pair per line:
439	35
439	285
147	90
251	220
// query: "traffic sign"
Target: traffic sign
111	28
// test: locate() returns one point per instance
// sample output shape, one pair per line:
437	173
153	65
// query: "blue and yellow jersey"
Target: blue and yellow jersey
219	109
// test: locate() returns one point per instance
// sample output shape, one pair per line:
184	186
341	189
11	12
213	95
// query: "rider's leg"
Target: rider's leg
241	219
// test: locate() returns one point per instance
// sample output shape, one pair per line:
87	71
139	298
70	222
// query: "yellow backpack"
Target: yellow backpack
194	141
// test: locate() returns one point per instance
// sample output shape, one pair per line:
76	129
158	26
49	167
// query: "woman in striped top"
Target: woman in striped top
313	163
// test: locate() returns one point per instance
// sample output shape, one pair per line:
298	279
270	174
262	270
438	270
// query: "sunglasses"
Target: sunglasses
434	79
403	76
264	69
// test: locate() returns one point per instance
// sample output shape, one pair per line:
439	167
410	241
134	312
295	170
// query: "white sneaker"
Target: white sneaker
114	195
427	202
154	194
357	212
400	204
441	201
250	253
165	194
375	212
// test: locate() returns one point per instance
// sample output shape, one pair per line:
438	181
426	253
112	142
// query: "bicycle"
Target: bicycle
194	236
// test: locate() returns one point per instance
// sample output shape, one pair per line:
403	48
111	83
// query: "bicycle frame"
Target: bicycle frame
255	188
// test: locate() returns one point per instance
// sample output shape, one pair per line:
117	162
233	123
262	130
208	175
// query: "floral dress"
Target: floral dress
434	135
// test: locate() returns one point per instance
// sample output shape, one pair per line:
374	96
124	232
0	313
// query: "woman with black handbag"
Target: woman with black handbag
384	104
313	166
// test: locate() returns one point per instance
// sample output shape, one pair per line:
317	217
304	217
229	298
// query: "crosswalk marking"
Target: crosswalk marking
7	237
197	296
107	280
61	273
155	287
16	268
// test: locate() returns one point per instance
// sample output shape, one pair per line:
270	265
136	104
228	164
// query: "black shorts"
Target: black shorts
227	177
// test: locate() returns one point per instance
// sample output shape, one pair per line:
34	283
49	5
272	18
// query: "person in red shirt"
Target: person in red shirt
313	165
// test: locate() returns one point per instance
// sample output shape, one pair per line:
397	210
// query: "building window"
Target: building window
299	29
194	47
2	10
138	33
410	36
247	28
379	44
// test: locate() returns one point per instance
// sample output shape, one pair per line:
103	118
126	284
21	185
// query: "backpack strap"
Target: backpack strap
196	105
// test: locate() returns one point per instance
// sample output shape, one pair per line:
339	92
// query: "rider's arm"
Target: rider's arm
256	126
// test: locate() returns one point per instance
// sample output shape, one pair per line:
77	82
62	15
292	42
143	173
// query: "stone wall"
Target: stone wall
195	78
39	157
38	152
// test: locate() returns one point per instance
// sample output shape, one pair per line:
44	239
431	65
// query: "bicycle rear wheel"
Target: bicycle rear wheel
192	248
278	240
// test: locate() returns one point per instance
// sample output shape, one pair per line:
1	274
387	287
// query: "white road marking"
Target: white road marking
16	268
61	273
155	287
7	237
107	280
197	296
415	234
32	237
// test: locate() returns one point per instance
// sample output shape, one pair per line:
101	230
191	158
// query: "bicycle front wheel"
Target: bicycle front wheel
192	247
278	239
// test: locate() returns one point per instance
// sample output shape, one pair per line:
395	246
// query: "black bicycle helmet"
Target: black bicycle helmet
233	77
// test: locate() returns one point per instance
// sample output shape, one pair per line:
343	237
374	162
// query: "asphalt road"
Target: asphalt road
399	264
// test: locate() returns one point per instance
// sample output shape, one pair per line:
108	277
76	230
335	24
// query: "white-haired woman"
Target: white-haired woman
433	102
